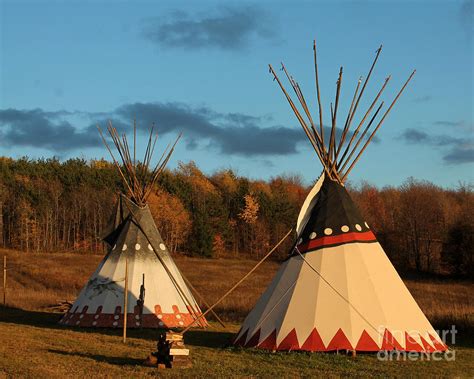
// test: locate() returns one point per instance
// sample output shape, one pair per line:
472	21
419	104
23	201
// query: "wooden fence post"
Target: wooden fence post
4	279
125	302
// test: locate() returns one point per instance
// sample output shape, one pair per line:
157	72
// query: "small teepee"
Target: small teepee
337	290
156	293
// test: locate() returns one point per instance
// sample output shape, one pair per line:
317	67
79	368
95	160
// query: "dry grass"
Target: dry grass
34	345
36	281
445	303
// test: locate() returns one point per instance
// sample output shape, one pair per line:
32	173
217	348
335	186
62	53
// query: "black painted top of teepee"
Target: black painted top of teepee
334	220
133	226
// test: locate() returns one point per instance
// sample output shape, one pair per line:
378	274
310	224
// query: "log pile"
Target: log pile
171	352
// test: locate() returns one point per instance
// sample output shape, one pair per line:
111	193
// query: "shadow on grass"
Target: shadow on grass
25	317
49	320
119	361
209	338
202	338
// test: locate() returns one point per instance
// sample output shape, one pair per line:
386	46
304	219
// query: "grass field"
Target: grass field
33	345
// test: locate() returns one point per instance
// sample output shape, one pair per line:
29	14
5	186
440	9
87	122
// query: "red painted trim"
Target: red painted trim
241	340
427	345
437	344
411	344
366	343
339	342
337	240
290	342
270	342
390	342
313	342
158	320
252	342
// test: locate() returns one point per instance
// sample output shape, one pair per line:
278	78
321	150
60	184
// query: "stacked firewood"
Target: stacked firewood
171	352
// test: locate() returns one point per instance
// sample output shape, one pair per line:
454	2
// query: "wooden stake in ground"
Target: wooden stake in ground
4	279
125	302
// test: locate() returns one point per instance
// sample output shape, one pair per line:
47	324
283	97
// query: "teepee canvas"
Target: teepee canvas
157	295
337	290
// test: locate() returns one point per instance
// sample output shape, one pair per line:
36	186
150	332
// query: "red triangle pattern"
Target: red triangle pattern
254	340
241	340
313	342
438	345
390	342
426	345
411	344
366	343
290	342
339	342
270	342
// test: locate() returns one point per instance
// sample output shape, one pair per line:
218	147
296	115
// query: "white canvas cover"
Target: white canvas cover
338	290
300	311
305	211
158	297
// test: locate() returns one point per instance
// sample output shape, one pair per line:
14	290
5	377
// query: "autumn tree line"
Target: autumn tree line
49	205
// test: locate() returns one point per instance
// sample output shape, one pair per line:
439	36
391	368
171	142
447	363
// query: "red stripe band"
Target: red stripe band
337	240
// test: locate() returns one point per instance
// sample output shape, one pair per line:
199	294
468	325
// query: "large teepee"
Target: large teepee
157	295
337	290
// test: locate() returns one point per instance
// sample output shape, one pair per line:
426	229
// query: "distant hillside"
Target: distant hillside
49	205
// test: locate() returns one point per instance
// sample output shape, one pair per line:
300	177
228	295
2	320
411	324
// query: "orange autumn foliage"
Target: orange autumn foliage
171	218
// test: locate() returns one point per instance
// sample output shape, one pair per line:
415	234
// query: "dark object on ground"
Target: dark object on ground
171	352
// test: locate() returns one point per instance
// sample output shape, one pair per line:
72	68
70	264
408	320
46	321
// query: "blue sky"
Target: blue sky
201	68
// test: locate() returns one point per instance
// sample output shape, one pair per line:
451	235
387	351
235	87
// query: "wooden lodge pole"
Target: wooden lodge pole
361	138
378	126
125	302
321	127
4	279
310	136
203	300
238	283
